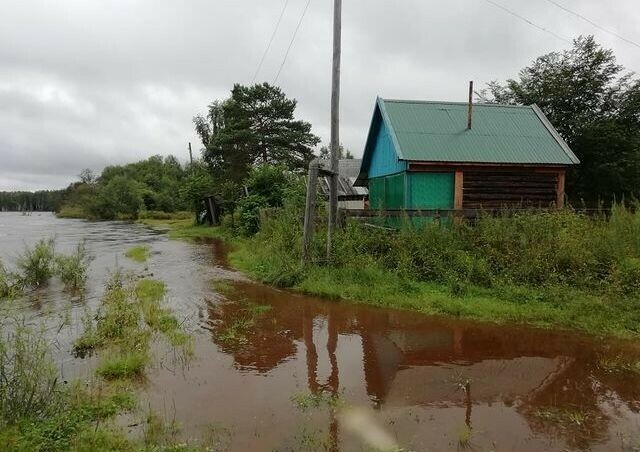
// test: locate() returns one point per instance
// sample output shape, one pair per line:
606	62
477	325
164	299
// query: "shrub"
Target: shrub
249	214
10	283
28	380
72	269
37	264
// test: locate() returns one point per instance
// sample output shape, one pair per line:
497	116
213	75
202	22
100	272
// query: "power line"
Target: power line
599	27
293	38
264	55
539	27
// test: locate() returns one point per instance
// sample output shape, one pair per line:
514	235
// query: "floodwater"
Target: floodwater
382	377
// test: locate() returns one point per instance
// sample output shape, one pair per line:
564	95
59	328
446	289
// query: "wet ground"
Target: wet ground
280	371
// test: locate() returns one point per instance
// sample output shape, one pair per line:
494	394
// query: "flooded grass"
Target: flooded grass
139	253
121	364
39	412
619	365
72	269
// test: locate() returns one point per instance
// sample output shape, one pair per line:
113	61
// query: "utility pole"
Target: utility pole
190	154
335	122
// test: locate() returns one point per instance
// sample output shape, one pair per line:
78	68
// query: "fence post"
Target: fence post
310	210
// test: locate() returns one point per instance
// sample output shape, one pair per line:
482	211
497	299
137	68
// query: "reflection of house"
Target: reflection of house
349	196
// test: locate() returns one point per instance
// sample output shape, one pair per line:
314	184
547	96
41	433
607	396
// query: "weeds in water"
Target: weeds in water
11	285
125	321
28	380
139	253
36	265
308	401
72	269
618	365
222	286
123	365
464	437
236	333
39	412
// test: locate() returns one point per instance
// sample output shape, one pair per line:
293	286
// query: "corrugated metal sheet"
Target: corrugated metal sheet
437	132
348	170
387	193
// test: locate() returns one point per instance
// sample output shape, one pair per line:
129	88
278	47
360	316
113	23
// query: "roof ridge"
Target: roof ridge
445	102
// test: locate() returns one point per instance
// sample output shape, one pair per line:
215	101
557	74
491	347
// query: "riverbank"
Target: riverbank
603	312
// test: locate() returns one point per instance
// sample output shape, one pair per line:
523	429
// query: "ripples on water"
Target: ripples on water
423	382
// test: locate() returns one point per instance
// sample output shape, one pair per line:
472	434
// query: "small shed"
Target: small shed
423	155
350	197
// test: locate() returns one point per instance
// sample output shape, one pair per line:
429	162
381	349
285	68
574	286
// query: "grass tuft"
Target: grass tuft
139	253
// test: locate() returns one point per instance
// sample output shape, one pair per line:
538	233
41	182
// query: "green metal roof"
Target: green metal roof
437	132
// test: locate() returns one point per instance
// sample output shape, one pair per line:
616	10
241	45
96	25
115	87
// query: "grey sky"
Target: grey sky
87	83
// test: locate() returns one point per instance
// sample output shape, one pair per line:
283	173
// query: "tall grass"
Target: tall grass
36	265
72	269
29	383
548	268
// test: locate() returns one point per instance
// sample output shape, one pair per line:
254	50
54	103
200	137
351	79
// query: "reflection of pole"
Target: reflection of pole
312	354
467	390
334	379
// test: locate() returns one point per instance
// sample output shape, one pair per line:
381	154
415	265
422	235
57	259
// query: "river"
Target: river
393	377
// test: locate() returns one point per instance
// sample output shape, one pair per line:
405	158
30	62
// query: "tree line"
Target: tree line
593	102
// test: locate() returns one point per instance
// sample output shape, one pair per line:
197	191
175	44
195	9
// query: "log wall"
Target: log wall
487	189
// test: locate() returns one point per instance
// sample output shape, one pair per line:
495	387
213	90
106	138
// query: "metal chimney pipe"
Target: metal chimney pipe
470	118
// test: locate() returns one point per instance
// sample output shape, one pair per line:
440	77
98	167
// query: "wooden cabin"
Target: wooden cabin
422	155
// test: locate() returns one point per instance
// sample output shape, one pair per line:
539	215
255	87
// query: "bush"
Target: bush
72	269
37	264
28	380
249	214
10	283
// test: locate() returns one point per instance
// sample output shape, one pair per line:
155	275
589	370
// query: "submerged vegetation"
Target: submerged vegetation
38	264
127	318
139	253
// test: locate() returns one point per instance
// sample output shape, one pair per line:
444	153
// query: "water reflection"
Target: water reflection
552	380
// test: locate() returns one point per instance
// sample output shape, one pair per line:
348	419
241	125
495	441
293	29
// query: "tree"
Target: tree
255	125
325	153
87	176
595	106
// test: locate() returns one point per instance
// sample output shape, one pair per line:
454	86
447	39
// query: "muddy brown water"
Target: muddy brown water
396	378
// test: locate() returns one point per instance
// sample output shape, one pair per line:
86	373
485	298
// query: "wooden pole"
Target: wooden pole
560	190
470	117
335	121
190	154
459	190
310	210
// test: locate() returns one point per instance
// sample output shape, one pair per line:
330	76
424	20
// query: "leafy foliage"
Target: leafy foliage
255	125
595	106
126	191
37	264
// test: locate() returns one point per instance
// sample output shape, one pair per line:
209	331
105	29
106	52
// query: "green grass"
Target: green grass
123	365
184	229
552	270
139	253
76	212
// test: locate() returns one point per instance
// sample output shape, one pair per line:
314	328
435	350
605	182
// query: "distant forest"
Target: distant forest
39	201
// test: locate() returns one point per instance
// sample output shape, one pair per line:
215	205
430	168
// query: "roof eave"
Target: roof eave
554	133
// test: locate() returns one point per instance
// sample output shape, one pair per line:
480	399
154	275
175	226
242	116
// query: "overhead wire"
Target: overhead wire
293	38
539	27
599	27
273	35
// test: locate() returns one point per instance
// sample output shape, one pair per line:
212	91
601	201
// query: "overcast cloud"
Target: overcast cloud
88	83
